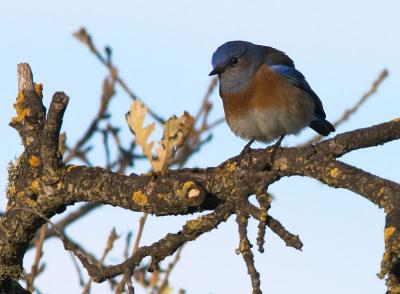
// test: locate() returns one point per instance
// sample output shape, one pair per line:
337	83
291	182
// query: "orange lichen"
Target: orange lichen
386	256
39	90
193	225
35	186
12	190
21	113
34	161
140	198
263	215
31	202
388	233
397	119
230	167
381	191
334	172
20	97
243	245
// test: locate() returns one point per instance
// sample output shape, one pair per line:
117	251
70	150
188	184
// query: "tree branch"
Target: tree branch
223	189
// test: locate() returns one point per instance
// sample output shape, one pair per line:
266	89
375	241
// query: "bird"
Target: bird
264	96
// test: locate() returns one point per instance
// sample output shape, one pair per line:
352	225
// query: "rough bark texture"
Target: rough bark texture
41	186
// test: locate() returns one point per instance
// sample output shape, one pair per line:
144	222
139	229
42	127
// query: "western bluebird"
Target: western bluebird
264	96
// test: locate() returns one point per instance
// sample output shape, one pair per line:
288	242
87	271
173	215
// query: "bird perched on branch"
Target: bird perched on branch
265	97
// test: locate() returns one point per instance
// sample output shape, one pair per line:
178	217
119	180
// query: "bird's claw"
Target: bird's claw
247	147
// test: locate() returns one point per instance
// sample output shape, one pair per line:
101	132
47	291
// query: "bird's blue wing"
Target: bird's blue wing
297	79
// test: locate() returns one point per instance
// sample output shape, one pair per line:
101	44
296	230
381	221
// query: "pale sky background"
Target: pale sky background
163	51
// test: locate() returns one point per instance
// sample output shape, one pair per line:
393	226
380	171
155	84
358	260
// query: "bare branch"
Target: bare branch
224	189
290	239
171	266
121	285
83	36
245	250
39	253
110	243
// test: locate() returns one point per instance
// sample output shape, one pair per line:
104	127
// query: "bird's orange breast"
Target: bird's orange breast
269	107
267	90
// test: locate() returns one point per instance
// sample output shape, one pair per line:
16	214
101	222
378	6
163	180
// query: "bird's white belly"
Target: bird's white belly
268	125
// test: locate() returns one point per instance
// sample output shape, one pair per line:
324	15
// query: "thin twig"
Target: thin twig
290	239
121	285
127	244
264	200
83	36
78	269
142	222
107	94
70	219
171	266
346	115
39	253
200	126
110	243
245	250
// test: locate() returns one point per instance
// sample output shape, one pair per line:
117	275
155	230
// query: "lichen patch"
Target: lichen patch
334	172
34	161
140	198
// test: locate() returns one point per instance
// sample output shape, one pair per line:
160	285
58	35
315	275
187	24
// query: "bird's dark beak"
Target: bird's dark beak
215	71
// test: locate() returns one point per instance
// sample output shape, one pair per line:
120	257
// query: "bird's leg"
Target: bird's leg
247	148
275	147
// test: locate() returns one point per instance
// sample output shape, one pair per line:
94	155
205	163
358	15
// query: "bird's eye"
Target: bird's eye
234	60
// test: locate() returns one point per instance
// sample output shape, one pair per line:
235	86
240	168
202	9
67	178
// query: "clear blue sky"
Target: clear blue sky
163	51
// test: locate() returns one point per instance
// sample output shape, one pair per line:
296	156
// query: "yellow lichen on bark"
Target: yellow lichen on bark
386	256
12	190
20	98
193	225
35	186
334	172
30	202
34	161
139	197
263	215
39	90
21	113
230	167
243	246
388	233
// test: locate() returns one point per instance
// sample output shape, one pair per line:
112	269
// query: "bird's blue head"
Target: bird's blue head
235	63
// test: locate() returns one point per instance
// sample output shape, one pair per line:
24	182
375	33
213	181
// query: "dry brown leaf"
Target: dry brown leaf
175	133
135	118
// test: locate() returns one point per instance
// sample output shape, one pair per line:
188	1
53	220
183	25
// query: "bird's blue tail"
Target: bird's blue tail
322	126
